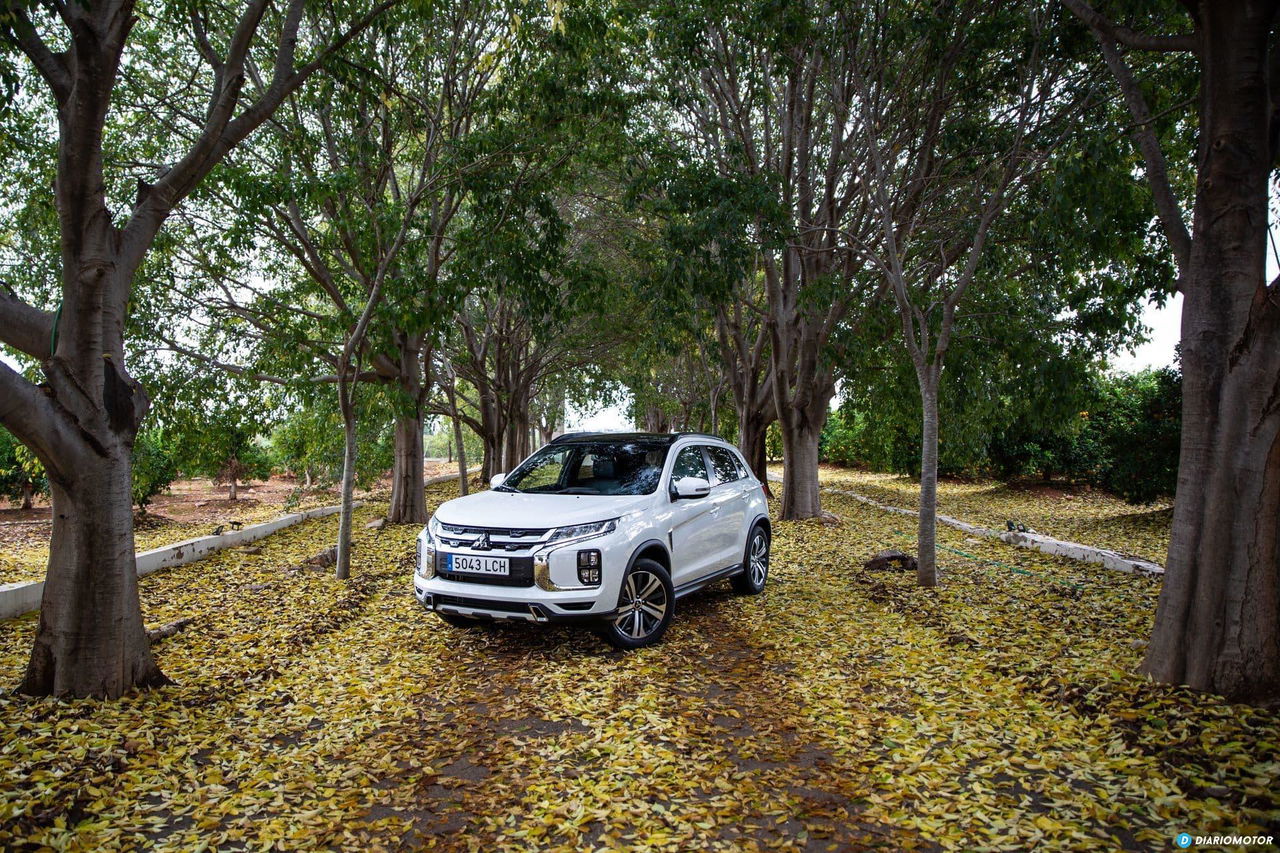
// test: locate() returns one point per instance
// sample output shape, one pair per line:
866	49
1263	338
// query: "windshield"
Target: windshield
598	468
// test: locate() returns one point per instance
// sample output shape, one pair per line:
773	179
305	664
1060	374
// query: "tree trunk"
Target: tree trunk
342	569
1216	627
91	640
751	441
28	494
801	497
408	495
464	484
232	492
926	537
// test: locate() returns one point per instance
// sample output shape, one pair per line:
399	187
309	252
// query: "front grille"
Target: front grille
521	573
482	603
493	544
504	539
504	532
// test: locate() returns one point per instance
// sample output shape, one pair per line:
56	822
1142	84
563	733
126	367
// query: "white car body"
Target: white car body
697	539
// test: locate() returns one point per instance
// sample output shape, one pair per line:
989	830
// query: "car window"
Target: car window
603	468
723	465
742	468
689	463
542	474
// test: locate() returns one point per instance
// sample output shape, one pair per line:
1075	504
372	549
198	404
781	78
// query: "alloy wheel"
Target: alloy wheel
642	605
759	559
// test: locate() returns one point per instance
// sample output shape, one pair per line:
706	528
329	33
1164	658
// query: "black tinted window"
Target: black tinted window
723	465
624	468
689	464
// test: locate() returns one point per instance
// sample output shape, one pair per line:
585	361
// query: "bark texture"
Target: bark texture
1217	625
408	495
91	640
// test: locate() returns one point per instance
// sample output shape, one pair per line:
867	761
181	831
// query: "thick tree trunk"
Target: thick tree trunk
752	430
28	494
91	640
927	535
516	446
492	461
801	497
1216	627
408	495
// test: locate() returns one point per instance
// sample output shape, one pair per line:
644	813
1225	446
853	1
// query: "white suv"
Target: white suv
609	528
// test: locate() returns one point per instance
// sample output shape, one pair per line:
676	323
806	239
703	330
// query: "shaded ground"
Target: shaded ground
839	710
188	509
1086	516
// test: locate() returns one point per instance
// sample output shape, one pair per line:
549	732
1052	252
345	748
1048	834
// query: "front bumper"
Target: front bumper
481	603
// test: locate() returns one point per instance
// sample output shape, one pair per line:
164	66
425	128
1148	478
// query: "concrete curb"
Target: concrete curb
1046	544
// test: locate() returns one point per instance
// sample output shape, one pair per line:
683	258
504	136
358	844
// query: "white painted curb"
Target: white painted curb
1036	541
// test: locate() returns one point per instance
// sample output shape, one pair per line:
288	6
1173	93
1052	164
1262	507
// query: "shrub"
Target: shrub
154	468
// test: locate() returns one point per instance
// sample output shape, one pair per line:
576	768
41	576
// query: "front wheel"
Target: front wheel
755	564
644	607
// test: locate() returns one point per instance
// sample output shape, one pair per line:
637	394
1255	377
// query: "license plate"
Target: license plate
477	565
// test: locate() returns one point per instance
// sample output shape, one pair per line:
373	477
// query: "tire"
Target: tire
459	621
637	625
755	563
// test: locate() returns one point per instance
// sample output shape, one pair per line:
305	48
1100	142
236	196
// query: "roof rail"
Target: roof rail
700	435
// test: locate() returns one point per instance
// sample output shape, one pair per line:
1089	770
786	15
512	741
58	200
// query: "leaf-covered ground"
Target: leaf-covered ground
838	710
1086	516
24	553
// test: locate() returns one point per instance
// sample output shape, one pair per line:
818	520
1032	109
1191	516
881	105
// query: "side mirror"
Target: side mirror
496	480
691	487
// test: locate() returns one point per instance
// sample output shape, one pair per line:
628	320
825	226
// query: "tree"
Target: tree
1217	626
768	108
958	110
82	422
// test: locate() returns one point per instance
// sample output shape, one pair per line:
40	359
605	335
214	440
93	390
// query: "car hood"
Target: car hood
514	509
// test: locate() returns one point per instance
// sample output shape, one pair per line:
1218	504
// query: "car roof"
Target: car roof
656	437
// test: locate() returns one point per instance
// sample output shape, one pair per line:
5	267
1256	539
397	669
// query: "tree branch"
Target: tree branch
1144	137
52	67
1099	23
24	327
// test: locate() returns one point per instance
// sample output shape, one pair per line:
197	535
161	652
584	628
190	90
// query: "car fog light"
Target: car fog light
589	567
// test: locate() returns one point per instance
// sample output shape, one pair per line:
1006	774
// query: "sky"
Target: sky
1165	332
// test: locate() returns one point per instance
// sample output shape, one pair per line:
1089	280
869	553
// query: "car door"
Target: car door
728	507
692	543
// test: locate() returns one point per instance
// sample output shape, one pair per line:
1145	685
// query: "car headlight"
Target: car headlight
584	531
426	564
